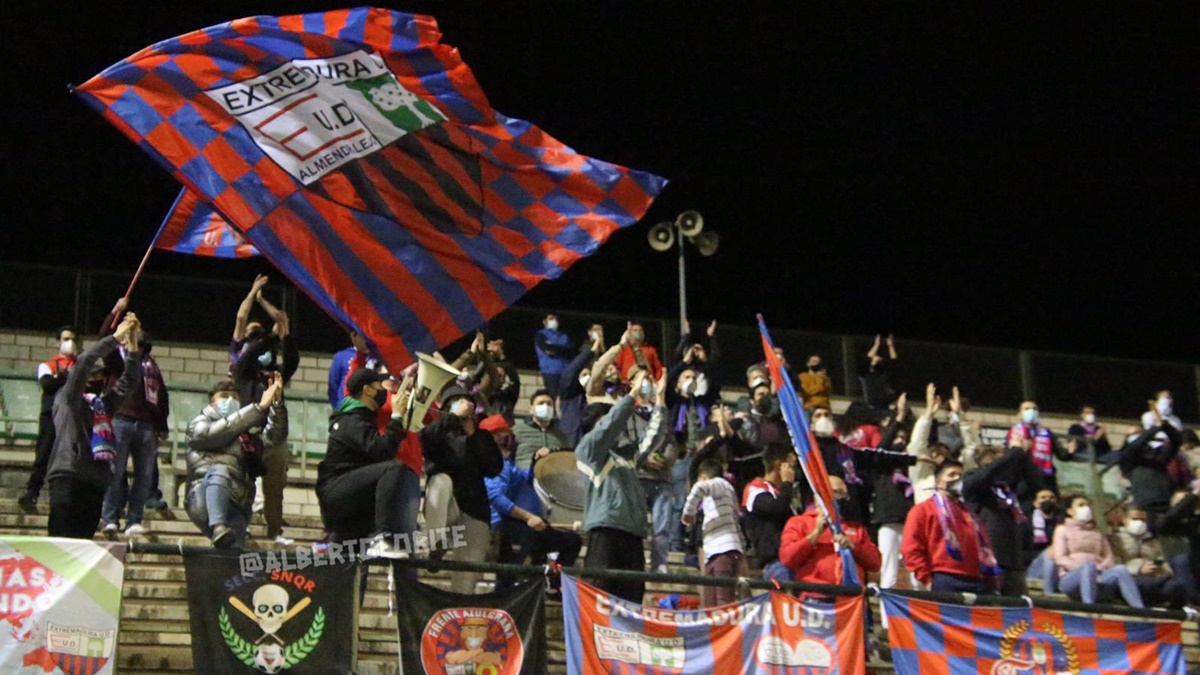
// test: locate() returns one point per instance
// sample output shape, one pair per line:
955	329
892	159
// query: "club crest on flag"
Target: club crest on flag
313	115
1026	651
476	641
271	609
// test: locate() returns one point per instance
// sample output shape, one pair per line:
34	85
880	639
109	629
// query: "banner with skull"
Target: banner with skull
280	618
443	633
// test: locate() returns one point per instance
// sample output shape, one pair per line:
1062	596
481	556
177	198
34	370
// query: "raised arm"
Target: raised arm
243	313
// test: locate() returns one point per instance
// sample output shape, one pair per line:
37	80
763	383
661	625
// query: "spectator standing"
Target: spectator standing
767	502
876	383
1035	439
362	488
1161	410
815	384
508	391
722	444
51	376
658	453
722	547
763	425
809	548
553	352
992	491
944	546
80	467
1145	459
517	516
223	440
138	425
540	433
572	397
635	352
1093	435
458	459
892	498
1085	561
844	462
340	369
615	509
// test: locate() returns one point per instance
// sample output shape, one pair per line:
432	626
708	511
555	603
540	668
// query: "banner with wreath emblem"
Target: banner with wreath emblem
932	637
285	616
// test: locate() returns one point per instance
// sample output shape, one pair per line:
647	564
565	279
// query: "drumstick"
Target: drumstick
241	607
296	609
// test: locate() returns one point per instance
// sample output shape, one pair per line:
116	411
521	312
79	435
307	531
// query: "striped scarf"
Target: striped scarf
988	566
103	439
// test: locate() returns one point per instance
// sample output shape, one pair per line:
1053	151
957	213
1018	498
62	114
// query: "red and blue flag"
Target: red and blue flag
811	462
359	155
933	637
192	226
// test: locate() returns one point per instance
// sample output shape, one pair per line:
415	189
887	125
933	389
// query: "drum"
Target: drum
562	488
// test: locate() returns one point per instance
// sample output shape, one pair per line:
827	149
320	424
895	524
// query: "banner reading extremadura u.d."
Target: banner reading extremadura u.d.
59	604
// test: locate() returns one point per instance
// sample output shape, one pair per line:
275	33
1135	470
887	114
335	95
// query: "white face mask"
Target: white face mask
955	487
584	378
755	382
1089	418
67	348
647	387
552	324
1029	416
543	411
701	385
1136	527
823	427
688	388
1163	406
474	642
1083	514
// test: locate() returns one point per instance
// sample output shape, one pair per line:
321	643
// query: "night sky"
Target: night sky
1007	175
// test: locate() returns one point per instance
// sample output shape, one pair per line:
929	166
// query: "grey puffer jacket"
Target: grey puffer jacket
213	442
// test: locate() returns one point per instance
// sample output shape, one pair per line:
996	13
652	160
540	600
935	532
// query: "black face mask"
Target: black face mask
381	397
1049	507
764	405
95	386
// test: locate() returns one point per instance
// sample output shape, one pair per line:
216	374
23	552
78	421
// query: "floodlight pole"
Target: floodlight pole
682	284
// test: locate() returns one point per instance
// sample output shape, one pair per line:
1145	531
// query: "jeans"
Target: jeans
943	582
1043	568
660	502
679	482
1084	582
74	508
135	439
210	503
377	498
41	457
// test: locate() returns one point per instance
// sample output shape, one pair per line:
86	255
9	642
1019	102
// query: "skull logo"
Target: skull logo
270	605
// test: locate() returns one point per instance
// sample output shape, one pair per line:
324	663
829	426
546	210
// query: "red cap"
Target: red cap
494	423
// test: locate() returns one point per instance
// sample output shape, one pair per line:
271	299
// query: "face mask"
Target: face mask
381	397
1163	406
1029	416
552	324
67	347
474	642
543	411
94	386
701	385
265	359
593	336
1089	419
1083	514
647	387
227	406
584	378
763	406
954	418
1049	507
688	388
1136	527
955	487
814	367
823	427
637	336
757	381
843	504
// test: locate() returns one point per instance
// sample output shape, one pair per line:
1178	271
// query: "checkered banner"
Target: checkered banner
933	637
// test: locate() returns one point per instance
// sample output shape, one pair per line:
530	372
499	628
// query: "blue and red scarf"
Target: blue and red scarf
103	439
987	559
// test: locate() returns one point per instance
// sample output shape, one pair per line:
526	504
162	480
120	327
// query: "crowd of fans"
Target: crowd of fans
666	460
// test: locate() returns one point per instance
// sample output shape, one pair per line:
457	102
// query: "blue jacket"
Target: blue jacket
512	487
553	350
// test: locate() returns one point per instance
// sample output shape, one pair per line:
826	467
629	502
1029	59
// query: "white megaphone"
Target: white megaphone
432	377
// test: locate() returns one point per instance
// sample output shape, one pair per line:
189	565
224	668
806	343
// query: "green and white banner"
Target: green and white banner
60	600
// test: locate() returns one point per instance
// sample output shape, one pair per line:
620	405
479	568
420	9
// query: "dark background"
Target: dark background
1010	175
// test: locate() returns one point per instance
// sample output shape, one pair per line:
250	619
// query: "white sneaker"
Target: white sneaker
284	541
110	531
135	530
662	569
381	547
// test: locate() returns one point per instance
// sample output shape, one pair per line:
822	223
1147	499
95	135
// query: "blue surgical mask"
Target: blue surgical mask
265	359
543	411
227	406
1029	416
647	387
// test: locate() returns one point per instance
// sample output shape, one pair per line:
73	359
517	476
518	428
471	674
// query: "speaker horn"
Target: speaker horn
432	378
661	237
690	223
707	241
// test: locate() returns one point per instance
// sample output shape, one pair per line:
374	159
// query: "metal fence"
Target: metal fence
200	310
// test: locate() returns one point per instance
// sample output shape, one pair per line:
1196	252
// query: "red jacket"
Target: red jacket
923	547
818	563
626	359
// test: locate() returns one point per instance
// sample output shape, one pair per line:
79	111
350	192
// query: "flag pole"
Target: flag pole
146	257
